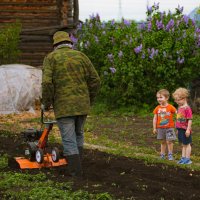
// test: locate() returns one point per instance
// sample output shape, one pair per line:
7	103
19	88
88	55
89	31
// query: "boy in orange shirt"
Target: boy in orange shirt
163	123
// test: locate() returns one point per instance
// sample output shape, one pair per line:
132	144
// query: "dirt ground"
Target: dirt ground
122	177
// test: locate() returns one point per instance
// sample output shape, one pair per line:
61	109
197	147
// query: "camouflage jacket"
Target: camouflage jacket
69	82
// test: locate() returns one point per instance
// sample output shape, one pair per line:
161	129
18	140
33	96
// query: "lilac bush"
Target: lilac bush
135	60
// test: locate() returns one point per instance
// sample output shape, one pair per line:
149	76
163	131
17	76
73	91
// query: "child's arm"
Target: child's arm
154	123
188	131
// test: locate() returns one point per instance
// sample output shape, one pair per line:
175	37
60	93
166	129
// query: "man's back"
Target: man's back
74	81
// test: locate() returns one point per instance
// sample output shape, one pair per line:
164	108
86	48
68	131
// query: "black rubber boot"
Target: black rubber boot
74	165
80	149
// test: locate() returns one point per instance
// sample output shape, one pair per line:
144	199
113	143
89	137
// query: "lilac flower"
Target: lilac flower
98	25
110	57
96	39
159	24
113	70
120	54
184	34
92	16
180	9
113	22
180	61
179	51
113	40
149	9
156	6
131	40
149	26
143	56
104	32
91	25
178	23
198	43
79	26
197	30
142	26
103	25
162	14
74	39
186	19
170	24
152	53
193	22
87	44
164	54
98	17
127	22
138	49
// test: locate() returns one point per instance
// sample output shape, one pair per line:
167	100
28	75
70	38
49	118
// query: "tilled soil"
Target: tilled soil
122	177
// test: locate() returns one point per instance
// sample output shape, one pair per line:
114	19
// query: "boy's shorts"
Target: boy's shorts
166	134
182	137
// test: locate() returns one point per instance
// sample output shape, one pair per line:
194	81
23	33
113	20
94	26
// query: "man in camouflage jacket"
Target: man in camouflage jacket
70	84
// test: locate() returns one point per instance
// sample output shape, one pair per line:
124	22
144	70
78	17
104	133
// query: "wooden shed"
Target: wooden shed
39	19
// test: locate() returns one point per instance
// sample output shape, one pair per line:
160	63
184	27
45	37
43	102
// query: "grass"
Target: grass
131	135
40	187
120	132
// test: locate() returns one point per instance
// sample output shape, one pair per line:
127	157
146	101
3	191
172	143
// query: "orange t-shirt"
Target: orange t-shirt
165	116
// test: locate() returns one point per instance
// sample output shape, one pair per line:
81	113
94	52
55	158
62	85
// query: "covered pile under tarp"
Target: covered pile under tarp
20	87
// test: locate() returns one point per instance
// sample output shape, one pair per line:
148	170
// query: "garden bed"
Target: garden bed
120	176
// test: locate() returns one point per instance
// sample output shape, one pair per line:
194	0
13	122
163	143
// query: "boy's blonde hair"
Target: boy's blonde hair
164	92
181	93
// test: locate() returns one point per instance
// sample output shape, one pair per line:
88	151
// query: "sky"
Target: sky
130	9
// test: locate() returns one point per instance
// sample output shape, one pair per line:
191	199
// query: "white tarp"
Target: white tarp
20	87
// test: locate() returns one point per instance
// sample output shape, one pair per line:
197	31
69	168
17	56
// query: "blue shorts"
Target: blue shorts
182	137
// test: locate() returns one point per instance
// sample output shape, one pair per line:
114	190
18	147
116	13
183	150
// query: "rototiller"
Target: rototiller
36	154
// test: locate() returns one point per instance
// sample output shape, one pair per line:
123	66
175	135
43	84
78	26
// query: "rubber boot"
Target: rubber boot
80	149
74	165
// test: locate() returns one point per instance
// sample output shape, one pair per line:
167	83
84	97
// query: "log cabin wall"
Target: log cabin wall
39	19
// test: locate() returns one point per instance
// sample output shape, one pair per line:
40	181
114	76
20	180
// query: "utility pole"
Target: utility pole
147	2
119	10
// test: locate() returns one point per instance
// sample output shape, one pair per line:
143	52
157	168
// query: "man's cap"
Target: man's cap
61	36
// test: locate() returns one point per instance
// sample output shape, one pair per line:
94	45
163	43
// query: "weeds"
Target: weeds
39	187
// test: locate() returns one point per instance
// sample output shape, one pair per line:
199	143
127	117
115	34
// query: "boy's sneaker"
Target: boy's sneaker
187	161
162	156
181	161
170	156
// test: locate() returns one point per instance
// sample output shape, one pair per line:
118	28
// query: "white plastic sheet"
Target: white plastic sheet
20	87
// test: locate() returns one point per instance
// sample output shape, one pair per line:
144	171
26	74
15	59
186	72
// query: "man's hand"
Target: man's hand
154	131
44	108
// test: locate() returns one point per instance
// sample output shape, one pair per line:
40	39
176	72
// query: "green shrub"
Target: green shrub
134	61
9	40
